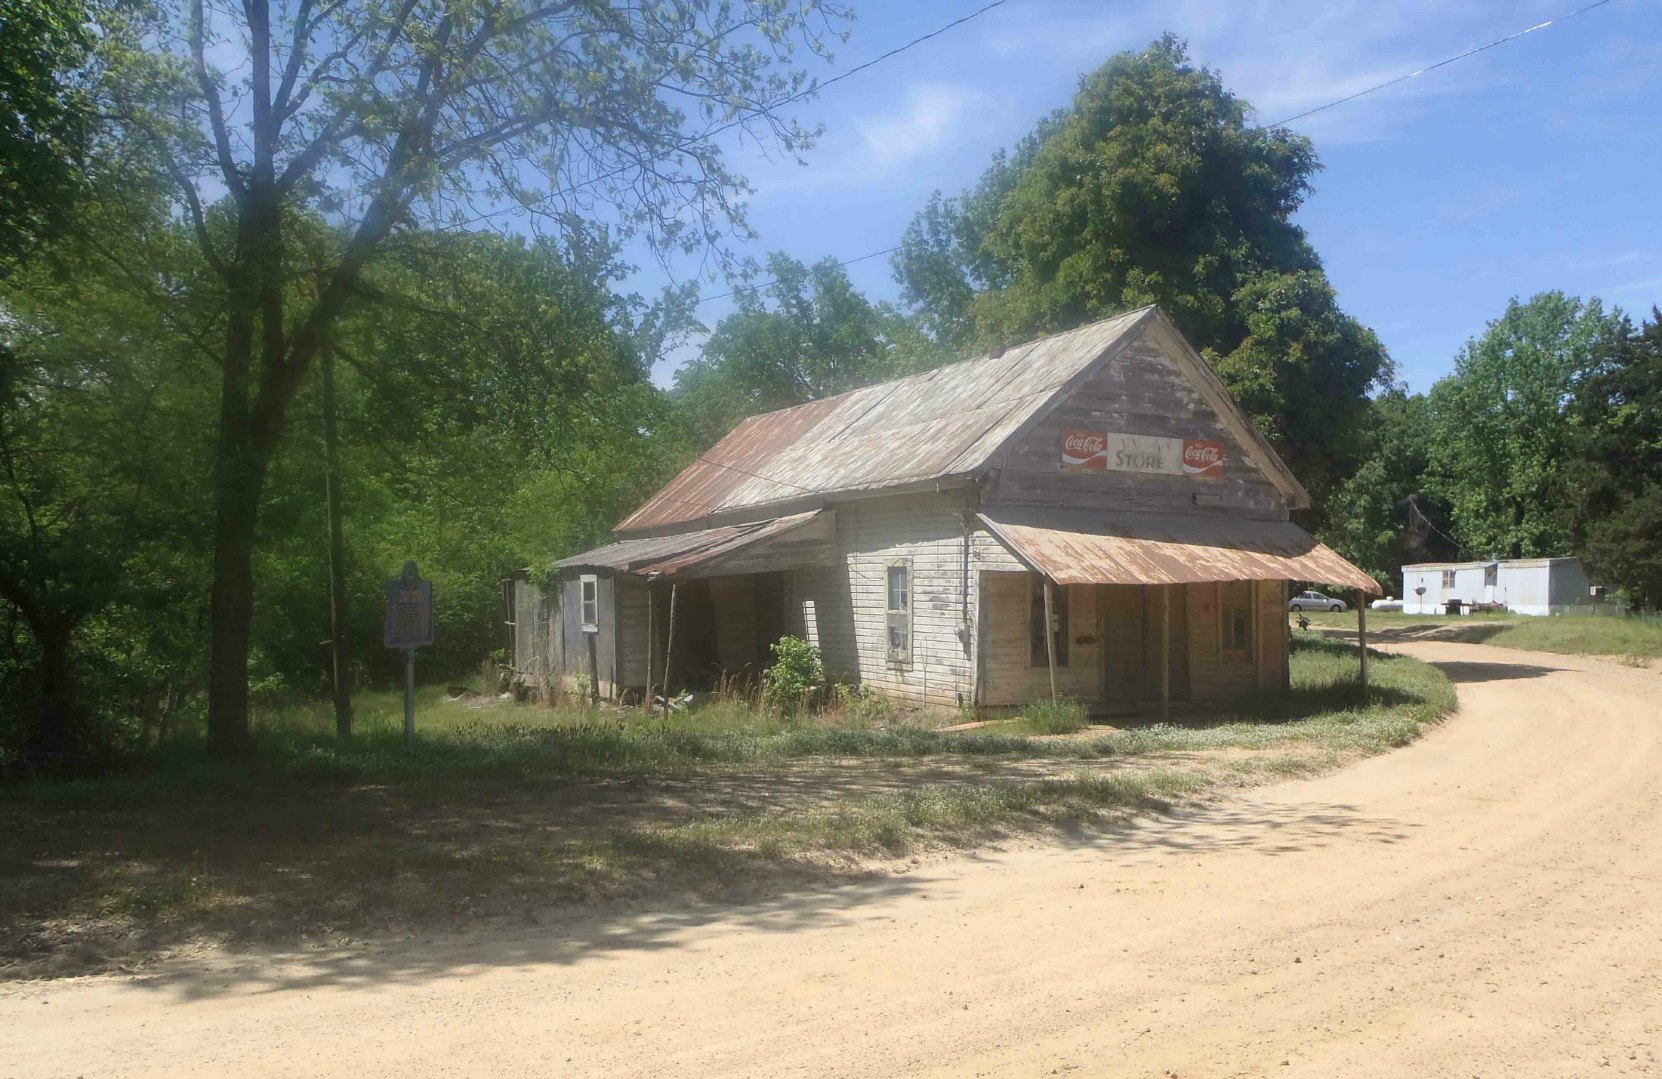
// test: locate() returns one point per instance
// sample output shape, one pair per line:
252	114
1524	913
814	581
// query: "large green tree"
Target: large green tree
1613	484
478	368
44	117
1156	187
1501	425
103	421
1384	515
378	113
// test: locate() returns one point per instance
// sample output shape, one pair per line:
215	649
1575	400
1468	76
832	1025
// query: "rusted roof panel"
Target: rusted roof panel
945	422
687	552
1084	547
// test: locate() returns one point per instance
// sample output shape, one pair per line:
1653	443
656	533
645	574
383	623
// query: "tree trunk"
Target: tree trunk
239	471
52	736
58	702
237	480
232	611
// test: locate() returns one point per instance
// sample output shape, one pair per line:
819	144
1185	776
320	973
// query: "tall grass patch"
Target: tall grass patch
1592	635
1062	716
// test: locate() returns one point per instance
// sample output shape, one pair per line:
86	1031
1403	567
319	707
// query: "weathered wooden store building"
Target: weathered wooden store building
918	531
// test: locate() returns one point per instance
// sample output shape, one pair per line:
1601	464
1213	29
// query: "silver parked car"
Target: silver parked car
1315	601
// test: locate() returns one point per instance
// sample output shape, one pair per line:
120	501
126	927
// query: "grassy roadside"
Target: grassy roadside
1638	636
1570	635
502	816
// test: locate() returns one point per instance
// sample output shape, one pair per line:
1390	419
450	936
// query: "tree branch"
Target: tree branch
216	110
193	202
297	53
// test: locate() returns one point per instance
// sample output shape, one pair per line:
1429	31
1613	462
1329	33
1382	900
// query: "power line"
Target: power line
765	284
1443	63
1279	123
790	99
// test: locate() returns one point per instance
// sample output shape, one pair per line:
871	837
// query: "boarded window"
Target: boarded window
590	587
1235	612
1058	624
898	610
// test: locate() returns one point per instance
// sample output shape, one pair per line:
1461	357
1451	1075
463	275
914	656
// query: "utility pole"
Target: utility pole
340	646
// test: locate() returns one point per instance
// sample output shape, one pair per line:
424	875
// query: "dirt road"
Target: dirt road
1485	902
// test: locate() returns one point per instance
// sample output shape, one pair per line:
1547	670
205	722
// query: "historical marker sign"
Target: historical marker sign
409	621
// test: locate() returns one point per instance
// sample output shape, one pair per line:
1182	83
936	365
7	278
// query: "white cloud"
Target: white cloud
927	119
928	127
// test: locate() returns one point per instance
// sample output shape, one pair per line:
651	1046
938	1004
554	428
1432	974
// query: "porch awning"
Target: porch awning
1088	547
803	539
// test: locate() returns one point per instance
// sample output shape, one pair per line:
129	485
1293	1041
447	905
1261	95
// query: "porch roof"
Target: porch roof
752	547
1091	547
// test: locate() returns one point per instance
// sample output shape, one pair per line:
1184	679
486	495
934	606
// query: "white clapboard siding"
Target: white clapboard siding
929	532
822	614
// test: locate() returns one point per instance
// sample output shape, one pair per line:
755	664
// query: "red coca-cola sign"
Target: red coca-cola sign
1085	450
1202	458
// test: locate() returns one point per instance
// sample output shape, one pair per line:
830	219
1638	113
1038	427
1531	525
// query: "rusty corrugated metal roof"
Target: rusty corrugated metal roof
1085	547
942	423
684	551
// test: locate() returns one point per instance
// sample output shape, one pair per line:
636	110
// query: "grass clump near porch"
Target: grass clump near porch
1062	716
503	810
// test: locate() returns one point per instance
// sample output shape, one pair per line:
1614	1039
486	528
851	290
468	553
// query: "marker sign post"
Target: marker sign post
409	625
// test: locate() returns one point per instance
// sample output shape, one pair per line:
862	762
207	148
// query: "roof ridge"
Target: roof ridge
938	368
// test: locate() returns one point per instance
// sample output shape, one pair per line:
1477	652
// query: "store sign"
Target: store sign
1105	451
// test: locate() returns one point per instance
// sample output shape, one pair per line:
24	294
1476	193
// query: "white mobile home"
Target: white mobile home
1536	586
1091	510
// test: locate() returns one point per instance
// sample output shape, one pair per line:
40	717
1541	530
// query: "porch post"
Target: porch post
1050	640
1165	651
1362	638
669	644
651	646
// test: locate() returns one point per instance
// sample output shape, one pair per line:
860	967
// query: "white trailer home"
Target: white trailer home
1090	511
1536	586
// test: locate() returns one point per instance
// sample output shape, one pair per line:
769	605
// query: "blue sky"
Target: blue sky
1532	166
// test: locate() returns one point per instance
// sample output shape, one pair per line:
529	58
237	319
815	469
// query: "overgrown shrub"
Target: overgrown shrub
1064	716
797	672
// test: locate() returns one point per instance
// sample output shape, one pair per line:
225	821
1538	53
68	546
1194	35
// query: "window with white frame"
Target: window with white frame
897	589
1448	578
589	602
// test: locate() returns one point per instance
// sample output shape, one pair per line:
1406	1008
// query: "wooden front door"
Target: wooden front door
1120	611
1130	620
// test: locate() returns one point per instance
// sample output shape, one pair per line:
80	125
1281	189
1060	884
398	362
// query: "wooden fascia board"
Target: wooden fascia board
1201	375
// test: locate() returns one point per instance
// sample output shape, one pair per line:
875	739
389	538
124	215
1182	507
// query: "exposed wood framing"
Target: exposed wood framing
1050	639
1165	651
669	644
